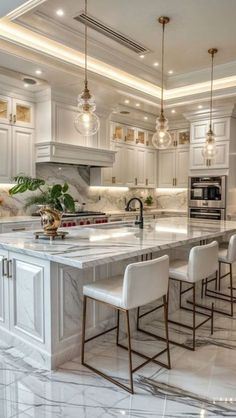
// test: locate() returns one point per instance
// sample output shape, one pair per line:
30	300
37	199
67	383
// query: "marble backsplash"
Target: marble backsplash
99	199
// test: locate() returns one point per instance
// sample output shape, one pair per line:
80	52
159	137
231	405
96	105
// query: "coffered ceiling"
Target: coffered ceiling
36	35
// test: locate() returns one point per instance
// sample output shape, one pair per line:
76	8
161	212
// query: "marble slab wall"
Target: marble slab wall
99	199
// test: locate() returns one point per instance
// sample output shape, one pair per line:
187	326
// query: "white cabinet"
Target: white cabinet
23	151
221	160
6	153
220	127
17	152
5	109
173	167
22	113
118	166
26	297
20	226
151	168
166	168
140	164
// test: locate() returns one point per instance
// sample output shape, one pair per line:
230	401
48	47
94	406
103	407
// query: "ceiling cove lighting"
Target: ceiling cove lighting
86	122
162	139
209	150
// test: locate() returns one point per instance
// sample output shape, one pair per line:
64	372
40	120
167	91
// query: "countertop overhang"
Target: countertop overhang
87	247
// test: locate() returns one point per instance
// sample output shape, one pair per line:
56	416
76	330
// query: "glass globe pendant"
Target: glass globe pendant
209	150
162	138
86	122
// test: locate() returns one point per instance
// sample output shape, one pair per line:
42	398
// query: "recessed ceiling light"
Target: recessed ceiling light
60	12
173	111
137	104
145	118
170	72
141	56
156	64
127	101
26	85
38	72
200	107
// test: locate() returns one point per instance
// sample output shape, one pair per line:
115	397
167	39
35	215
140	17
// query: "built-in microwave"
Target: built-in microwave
207	192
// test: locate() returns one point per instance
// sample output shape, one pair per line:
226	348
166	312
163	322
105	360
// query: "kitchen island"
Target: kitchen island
41	281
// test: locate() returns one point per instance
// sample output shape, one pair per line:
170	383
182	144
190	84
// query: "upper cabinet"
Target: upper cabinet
221	160
16	138
16	112
220	127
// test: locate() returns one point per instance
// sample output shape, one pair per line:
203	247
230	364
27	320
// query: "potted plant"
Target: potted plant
53	199
148	201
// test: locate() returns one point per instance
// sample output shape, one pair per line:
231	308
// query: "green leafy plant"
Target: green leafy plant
149	200
56	195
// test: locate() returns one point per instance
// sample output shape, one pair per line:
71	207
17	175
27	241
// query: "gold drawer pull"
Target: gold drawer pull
18	229
113	180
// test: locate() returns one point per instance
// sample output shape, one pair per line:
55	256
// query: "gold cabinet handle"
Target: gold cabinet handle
146	182
18	229
14	119
113	180
4	260
10	118
135	181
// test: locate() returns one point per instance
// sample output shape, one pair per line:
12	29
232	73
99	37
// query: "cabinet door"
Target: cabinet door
5	154
4	297
130	166
23	151
5	109
221	160
23	113
198	131
28	294
140	167
150	168
118	166
166	168
182	167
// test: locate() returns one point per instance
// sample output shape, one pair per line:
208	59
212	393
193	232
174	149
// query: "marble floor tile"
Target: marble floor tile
200	384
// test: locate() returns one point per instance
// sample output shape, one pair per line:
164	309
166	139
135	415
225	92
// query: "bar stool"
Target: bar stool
143	283
227	255
202	263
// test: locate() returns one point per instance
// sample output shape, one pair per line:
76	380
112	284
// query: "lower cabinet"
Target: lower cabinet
221	160
173	167
24	308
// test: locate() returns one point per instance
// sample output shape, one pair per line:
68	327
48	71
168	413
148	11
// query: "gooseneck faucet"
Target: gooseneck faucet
140	221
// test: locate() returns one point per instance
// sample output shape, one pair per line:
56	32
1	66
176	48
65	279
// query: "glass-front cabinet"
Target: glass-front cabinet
5	109
23	113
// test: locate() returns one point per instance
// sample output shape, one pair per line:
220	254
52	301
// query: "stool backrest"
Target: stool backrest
203	261
231	253
145	282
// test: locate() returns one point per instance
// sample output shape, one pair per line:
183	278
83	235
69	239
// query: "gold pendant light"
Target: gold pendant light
209	150
162	139
86	122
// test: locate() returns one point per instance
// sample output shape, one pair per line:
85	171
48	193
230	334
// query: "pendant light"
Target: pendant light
86	122
162	139
209	150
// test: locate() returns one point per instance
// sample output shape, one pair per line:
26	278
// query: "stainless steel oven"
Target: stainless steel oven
207	197
198	213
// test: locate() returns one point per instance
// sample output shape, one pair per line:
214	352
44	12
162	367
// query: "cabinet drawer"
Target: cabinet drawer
20	227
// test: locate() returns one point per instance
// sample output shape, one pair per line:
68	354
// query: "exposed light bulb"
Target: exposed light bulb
162	138
209	150
87	123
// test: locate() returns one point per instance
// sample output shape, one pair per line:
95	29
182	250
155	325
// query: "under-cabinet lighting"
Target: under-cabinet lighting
121	188
6	185
171	190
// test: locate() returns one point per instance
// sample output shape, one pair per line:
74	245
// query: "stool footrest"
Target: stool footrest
149	359
99	335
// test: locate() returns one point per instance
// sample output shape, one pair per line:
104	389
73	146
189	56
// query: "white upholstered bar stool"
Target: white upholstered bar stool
227	255
142	283
202	263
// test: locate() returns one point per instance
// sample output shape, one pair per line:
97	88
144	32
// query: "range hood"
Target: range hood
58	152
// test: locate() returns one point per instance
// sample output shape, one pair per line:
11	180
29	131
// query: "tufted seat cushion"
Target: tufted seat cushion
106	290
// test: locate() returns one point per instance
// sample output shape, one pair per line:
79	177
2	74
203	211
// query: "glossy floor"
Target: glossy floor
200	384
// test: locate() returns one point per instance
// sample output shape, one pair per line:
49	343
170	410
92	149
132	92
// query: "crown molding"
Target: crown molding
24	8
228	110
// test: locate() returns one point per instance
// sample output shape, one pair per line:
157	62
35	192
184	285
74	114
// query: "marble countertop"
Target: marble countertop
95	245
